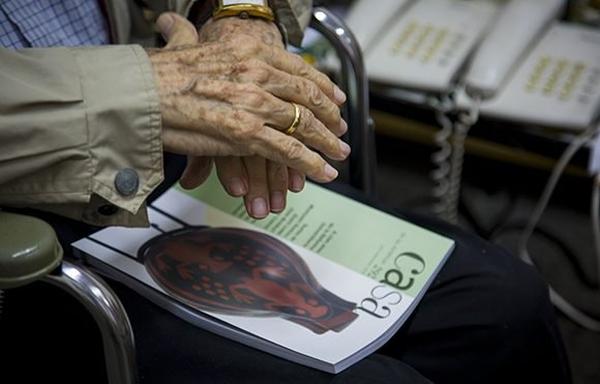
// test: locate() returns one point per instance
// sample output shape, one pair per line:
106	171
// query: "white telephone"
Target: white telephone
558	85
428	43
425	48
519	26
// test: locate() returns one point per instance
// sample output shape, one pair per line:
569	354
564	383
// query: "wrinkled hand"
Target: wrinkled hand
229	96
262	183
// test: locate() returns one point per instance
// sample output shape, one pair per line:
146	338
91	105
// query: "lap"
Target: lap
486	318
171	350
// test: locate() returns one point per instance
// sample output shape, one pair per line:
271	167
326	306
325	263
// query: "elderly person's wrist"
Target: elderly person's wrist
250	17
224	28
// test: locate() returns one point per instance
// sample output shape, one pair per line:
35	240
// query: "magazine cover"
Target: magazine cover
241	281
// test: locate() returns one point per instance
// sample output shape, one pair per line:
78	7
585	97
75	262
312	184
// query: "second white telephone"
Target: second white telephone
558	84
427	44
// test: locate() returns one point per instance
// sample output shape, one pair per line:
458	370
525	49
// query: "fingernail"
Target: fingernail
277	201
237	187
339	96
259	207
164	23
297	183
345	148
330	172
343	127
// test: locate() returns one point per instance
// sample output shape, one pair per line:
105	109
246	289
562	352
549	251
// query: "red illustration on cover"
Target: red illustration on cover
242	272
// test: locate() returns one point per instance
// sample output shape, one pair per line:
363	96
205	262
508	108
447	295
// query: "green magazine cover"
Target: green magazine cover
324	284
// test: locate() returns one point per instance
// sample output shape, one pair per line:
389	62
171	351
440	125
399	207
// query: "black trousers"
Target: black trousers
487	319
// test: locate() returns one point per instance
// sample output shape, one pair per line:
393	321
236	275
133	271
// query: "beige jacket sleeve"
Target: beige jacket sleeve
72	120
77	123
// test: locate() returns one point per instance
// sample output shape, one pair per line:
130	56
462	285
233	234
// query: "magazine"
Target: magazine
323	284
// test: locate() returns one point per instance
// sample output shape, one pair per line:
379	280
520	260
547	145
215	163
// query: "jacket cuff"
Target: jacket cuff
124	126
293	17
98	212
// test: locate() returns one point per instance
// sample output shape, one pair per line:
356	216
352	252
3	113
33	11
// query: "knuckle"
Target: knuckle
253	63
252	95
274	108
303	69
259	71
237	68
335	113
245	131
236	71
249	88
333	143
323	79
247	64
254	100
308	118
227	90
298	66
294	150
315	96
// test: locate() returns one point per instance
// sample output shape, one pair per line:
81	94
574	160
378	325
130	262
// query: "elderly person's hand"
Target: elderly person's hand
208	89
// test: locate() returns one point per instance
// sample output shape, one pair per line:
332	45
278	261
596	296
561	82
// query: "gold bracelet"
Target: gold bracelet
244	11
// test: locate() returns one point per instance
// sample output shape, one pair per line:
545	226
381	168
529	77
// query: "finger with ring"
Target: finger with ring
292	128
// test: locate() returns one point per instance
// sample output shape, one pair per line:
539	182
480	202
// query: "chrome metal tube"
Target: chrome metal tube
356	85
109	314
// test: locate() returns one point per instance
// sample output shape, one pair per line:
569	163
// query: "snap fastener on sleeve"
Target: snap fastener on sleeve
127	182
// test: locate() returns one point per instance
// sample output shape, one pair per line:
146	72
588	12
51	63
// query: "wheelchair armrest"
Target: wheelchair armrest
30	251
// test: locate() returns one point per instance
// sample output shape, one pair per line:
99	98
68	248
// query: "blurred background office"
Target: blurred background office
486	115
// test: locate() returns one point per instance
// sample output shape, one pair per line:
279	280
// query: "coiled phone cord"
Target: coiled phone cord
449	160
461	129
575	314
441	159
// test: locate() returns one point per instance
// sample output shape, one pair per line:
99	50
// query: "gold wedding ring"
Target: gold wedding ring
292	128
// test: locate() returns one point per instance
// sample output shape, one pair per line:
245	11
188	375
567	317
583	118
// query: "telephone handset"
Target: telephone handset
429	44
558	84
518	26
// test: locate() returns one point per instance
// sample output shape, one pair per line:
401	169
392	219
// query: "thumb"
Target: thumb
176	30
196	172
